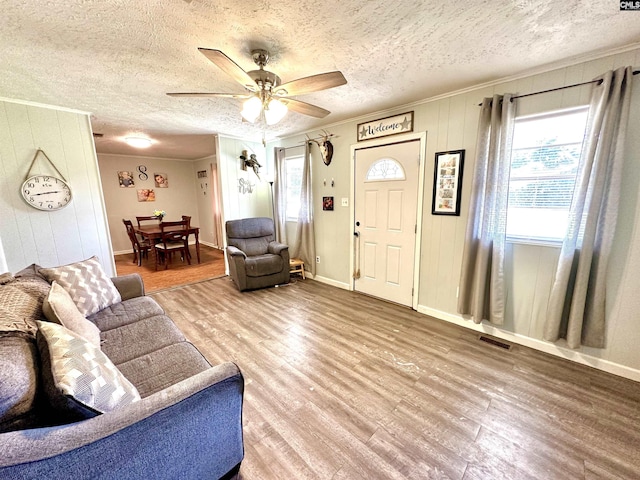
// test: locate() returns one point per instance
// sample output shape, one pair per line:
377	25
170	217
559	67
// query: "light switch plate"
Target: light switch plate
345	202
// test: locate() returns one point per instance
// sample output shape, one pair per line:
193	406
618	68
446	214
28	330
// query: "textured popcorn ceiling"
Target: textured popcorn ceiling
118	58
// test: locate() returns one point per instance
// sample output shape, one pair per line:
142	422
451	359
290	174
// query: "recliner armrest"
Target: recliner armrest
235	251
276	248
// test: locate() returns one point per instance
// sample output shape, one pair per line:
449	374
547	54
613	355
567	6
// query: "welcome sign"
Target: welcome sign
382	127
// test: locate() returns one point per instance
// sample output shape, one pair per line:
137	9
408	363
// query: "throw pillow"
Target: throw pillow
59	308
29	272
79	379
21	304
87	284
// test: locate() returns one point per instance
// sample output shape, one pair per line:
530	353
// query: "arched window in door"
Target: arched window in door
385	169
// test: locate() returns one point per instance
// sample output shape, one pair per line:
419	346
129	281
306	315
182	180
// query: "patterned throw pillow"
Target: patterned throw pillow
59	308
87	284
21	304
79	380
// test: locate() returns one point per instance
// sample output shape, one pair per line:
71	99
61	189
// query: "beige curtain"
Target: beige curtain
279	196
217	213
576	309
482	289
304	247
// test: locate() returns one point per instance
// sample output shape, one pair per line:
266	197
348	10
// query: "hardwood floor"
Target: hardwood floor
178	273
343	386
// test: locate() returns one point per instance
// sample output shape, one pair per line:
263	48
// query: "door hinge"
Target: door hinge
415	230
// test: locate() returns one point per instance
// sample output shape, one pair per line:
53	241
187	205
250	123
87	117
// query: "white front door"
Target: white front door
386	203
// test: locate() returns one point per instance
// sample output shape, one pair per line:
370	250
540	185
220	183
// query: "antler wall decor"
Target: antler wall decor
326	147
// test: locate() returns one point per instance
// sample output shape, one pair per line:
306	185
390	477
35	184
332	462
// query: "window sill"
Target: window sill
538	242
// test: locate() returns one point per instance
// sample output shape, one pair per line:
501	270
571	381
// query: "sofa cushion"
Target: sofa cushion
21	304
162	368
87	283
18	381
79	380
59	308
126	312
261	265
139	338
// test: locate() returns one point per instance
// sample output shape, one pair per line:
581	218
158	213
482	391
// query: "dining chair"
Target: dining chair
173	238
187	218
140	247
147	219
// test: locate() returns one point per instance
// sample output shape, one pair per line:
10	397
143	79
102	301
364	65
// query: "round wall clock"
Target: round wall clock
46	192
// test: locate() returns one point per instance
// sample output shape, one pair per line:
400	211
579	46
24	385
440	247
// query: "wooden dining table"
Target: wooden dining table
153	232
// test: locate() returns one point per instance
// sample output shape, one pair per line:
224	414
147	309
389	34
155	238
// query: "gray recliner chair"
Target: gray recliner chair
255	259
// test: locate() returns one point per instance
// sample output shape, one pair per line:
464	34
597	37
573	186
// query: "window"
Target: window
544	163
293	172
385	169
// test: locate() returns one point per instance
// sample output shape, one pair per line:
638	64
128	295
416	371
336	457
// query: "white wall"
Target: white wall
206	201
236	203
180	198
74	233
451	123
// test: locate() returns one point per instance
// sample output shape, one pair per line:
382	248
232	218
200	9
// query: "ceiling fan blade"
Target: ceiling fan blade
304	108
223	95
229	67
314	83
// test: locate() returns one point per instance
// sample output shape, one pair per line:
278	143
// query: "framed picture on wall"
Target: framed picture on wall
327	203
447	182
146	195
125	179
161	180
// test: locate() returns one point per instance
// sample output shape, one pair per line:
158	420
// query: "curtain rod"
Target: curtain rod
635	72
294	146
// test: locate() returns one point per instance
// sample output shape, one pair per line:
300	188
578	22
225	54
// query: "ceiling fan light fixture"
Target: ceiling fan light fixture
251	109
138	142
268	98
275	111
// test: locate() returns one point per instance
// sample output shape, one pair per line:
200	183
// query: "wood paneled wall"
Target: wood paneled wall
50	238
238	203
451	123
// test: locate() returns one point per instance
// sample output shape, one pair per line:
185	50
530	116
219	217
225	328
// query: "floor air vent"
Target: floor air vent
495	342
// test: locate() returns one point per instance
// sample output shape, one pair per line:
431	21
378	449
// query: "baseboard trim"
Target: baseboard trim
333	283
209	244
550	348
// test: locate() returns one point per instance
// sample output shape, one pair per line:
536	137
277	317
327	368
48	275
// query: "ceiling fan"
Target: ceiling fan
267	96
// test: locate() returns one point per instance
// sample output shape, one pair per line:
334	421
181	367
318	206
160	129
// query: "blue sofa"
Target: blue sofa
187	425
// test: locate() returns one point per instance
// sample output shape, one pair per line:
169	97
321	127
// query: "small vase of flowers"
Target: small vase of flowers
159	214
